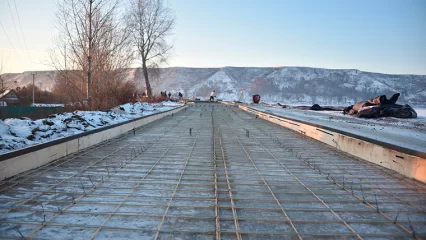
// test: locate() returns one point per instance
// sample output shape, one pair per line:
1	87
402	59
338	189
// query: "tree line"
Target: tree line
99	39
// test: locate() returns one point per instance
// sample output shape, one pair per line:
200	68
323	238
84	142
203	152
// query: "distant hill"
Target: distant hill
14	80
287	85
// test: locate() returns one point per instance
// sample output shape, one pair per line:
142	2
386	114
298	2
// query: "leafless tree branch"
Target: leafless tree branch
150	21
92	53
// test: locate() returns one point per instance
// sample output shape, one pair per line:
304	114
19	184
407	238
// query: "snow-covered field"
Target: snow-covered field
408	133
20	133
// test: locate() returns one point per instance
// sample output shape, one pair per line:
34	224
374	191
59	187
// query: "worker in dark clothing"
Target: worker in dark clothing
212	95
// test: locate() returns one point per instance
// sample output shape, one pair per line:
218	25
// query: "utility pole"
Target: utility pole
65	57
33	84
39	91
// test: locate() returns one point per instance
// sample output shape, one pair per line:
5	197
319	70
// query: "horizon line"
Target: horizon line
274	67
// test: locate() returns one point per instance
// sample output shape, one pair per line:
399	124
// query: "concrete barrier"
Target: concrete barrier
22	160
408	162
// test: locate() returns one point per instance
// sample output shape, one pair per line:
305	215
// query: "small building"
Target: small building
9	98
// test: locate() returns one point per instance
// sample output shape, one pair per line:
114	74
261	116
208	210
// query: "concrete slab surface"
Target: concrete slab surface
211	172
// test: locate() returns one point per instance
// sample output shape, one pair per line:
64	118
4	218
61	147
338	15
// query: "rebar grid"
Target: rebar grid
92	188
133	189
296	178
408	184
187	193
218	156
177	185
216	189
419	187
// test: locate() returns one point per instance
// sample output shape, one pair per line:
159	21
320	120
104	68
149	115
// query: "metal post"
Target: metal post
33	84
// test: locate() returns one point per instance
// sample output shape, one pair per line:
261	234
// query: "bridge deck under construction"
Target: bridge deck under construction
211	172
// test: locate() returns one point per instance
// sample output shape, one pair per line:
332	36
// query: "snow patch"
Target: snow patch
408	133
20	133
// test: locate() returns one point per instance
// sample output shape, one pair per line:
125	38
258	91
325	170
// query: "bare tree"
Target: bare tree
92	51
150	21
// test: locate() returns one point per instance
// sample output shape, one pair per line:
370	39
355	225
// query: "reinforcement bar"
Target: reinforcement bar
21	160
233	176
405	161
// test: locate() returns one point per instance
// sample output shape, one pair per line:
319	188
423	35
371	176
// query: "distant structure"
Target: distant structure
9	97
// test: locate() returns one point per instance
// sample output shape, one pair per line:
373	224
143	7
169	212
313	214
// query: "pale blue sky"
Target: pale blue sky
386	36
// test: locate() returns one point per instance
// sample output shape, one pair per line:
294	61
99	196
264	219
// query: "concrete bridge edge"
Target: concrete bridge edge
409	163
35	156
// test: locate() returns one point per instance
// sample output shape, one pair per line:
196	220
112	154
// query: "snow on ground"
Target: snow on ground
47	105
20	133
408	133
